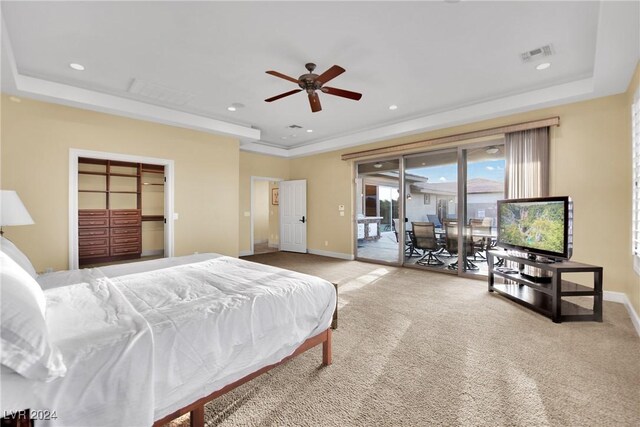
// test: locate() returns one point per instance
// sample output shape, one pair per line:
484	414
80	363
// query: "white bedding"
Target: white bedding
213	320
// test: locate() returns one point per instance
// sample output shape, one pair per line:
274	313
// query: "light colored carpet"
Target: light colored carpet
415	348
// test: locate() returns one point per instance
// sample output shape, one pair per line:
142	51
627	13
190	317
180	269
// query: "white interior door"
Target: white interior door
293	215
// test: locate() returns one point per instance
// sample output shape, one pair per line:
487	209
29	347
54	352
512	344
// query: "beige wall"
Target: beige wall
634	278
261	211
590	154
589	161
259	165
34	160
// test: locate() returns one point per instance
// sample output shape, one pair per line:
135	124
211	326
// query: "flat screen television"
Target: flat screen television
538	226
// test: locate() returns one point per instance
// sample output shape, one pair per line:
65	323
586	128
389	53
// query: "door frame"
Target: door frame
253	180
169	215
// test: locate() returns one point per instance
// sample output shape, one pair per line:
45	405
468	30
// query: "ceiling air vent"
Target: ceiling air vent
294	127
159	93
537	53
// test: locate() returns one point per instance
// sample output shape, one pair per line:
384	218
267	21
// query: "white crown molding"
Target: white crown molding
59	93
617	36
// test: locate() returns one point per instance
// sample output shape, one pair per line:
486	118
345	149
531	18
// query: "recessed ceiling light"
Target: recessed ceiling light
309	130
15	99
393	107
543	66
235	106
77	67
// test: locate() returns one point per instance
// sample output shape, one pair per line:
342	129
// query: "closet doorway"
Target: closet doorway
120	208
265	215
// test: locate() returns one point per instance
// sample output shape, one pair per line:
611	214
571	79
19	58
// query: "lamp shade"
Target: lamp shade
12	211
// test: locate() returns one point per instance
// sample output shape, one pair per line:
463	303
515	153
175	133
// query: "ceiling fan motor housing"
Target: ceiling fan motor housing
308	82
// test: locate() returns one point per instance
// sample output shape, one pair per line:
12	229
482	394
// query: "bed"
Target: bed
143	343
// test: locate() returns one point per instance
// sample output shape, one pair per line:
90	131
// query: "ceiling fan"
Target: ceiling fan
311	82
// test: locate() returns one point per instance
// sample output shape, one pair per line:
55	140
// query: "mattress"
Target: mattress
181	328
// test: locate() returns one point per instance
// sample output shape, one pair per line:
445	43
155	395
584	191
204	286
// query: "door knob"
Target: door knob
302	220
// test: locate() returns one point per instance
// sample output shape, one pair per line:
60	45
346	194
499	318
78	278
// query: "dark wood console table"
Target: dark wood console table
546	297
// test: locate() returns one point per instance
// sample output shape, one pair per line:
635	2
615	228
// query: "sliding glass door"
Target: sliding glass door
377	211
431	205
433	210
484	169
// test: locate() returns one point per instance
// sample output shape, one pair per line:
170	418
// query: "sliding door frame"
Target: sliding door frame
75	154
401	227
461	156
452	150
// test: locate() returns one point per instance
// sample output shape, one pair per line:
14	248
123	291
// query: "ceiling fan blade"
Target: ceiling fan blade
343	93
331	73
314	100
282	95
282	76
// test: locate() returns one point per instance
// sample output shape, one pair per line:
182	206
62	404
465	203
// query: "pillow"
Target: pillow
23	331
18	256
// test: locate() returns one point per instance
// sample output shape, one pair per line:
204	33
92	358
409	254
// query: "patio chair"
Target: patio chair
424	238
409	249
480	236
451	245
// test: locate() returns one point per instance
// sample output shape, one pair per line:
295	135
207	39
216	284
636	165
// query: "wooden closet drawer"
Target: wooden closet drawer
93	222
124	231
125	222
89	243
93	252
93	213
128	240
93	232
124	250
124	213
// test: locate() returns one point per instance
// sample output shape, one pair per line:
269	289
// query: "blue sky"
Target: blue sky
489	169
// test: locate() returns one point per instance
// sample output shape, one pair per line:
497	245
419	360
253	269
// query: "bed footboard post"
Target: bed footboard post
196	417
326	349
334	323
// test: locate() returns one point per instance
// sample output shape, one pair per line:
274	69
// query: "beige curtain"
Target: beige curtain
527	163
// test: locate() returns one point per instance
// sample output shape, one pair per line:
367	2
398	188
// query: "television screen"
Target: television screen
539	226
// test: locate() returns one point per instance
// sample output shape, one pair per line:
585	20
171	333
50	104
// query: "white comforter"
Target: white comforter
213	321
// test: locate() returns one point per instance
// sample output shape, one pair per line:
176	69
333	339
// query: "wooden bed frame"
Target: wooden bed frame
196	409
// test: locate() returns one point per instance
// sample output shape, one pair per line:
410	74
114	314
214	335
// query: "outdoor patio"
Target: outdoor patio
386	249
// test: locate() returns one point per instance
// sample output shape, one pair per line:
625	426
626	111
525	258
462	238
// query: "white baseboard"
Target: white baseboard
622	298
329	254
152	252
245	253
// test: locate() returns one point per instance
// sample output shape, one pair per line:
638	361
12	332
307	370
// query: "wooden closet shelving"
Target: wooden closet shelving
110	221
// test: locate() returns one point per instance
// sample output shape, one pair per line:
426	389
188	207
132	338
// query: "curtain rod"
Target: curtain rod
410	146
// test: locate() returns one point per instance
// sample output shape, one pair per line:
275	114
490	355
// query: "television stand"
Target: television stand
546	297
